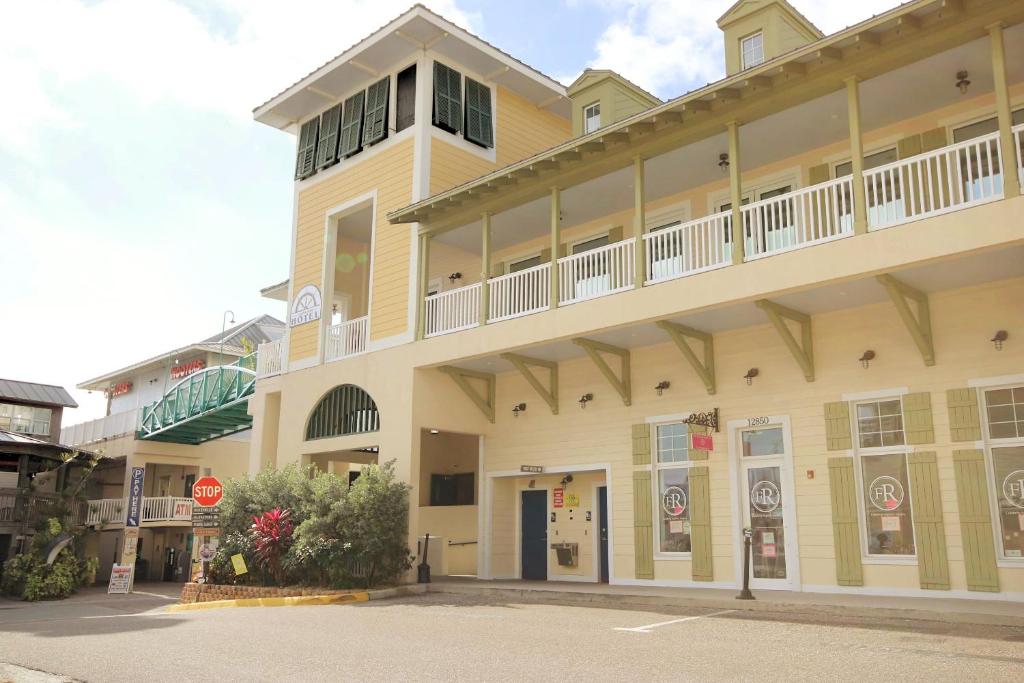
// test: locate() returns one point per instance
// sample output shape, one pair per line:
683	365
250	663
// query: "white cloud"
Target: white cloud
670	47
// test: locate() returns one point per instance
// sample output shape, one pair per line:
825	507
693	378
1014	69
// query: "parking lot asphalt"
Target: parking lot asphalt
443	637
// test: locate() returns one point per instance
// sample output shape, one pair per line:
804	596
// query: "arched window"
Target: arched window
345	409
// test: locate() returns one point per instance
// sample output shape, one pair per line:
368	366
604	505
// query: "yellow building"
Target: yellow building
600	343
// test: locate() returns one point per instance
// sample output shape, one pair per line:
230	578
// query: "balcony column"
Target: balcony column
556	243
860	202
639	222
485	265
1007	149
424	282
735	191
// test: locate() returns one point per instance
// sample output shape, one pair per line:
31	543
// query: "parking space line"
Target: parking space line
647	628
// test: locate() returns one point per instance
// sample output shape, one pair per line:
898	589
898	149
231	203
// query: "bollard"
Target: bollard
745	594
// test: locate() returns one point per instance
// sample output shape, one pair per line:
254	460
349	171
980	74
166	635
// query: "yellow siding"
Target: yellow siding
390	174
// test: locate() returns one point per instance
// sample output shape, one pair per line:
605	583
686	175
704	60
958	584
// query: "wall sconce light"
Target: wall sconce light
962	82
585	399
567	479
1001	336
868	356
662	386
751	374
723	162
455	276
518	408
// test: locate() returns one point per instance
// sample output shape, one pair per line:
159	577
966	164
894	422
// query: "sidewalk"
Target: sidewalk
950	610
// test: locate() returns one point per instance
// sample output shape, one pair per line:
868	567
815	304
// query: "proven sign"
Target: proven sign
207	491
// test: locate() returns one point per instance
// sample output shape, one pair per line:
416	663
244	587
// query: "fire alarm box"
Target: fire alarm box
567	553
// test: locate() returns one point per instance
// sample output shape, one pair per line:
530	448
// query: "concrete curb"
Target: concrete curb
303	600
627	600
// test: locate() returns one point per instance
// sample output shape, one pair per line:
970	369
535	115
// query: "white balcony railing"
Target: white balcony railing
347	338
107	511
594	273
109	427
521	293
692	247
812	215
451	311
943	180
1018	146
270	358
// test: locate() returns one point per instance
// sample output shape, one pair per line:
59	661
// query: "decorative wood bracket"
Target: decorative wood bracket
705	370
523	363
461	377
624	385
803	352
919	326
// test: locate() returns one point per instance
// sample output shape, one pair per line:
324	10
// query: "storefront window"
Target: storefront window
880	423
1005	409
1008	466
887	510
672	497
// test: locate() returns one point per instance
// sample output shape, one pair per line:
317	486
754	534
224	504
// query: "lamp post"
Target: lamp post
223	328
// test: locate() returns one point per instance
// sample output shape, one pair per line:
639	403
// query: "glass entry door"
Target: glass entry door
767	506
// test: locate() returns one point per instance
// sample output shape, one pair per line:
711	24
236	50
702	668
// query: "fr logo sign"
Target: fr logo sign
207	491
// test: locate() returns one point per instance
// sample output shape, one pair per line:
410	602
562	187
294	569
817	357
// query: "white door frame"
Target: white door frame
737	496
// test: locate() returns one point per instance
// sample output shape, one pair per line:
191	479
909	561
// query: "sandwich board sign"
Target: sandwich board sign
120	579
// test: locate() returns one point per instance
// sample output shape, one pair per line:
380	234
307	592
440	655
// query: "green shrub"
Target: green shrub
27	576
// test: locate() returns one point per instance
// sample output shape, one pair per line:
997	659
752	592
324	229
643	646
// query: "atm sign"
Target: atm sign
207	491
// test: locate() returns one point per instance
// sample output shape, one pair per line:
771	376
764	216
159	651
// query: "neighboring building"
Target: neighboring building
33	409
180	415
788	300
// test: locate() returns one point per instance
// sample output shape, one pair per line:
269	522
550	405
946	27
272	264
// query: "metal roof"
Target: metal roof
31	392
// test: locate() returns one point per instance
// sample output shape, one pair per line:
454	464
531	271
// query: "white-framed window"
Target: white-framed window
887	517
752	50
591	117
25	419
1003	411
671	457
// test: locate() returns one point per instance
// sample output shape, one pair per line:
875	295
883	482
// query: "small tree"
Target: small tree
377	524
271	534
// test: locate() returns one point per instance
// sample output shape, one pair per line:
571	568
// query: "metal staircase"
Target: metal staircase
204	406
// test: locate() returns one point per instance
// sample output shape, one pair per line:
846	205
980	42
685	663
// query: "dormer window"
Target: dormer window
592	117
752	50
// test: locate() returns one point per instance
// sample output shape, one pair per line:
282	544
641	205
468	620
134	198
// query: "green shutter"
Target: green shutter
837	426
975	521
351	126
498	269
305	157
327	147
447	98
929	531
908	146
933	139
700	524
643	531
375	121
479	122
845	525
917	418
615	234
964	417
642	444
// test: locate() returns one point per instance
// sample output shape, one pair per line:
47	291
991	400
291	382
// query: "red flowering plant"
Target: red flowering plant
272	537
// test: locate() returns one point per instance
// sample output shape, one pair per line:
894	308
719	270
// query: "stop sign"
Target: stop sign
207	491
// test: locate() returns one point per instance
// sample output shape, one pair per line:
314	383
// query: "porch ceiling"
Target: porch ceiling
934	277
912	90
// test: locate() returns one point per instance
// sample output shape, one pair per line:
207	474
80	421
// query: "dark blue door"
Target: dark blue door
534	535
602	521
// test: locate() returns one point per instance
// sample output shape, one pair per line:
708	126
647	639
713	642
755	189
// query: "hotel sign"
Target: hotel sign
306	306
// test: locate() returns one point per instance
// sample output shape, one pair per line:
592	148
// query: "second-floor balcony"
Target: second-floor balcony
107	512
950	178
100	429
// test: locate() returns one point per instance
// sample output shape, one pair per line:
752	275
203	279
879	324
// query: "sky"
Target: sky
139	201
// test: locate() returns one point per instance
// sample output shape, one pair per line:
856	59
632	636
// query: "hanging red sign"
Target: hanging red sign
702	442
186	369
558	498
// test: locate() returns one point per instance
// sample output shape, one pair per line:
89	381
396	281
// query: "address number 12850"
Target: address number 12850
757	421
